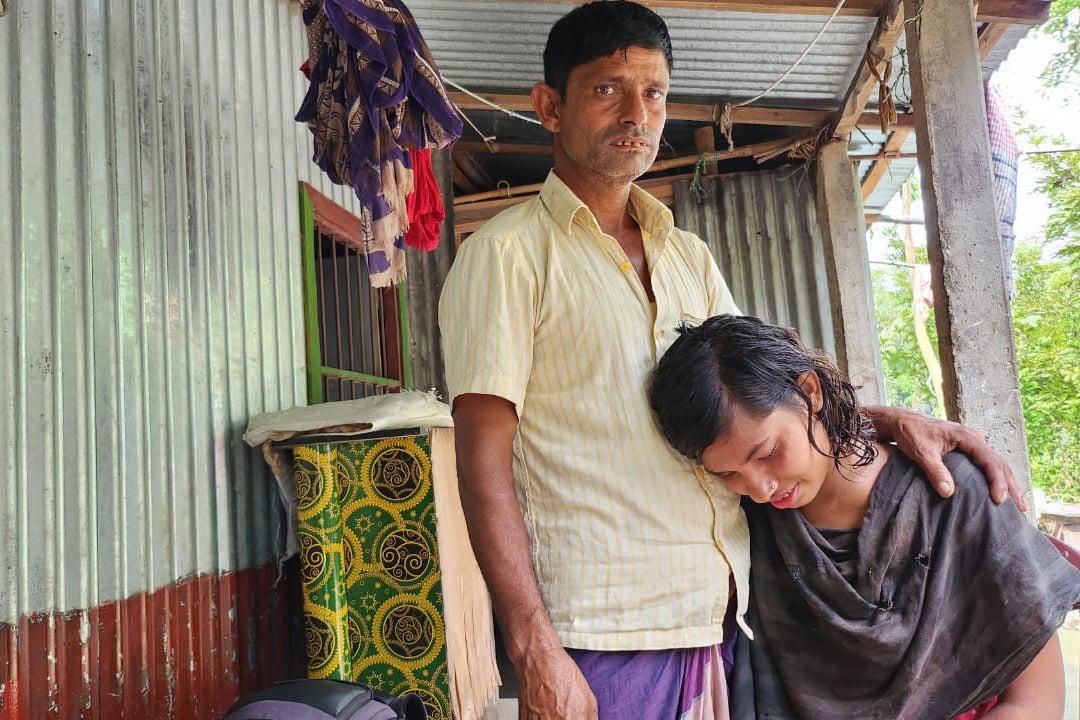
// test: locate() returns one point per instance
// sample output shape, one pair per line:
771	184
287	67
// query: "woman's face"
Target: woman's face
770	458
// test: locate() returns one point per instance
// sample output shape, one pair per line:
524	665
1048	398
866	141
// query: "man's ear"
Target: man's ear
547	103
810	384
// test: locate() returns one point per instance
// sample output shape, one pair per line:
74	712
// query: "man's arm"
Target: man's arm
550	686
925	440
1039	692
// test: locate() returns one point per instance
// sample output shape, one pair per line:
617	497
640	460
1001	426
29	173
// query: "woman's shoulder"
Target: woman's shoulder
967	476
965	472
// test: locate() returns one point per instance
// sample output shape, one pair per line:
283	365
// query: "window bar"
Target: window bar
392	336
377	333
362	298
312	332
337	305
321	265
403	336
349	364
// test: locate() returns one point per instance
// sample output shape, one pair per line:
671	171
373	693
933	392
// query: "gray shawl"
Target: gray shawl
953	599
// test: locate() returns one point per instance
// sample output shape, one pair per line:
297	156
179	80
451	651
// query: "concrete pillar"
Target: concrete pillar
978	359
847	265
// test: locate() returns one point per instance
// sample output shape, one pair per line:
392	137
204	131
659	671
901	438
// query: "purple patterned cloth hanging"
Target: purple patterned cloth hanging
1005	157
375	94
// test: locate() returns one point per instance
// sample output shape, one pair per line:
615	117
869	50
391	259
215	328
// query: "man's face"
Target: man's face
609	124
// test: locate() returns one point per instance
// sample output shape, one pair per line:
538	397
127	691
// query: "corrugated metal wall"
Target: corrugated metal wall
718	54
150	293
762	229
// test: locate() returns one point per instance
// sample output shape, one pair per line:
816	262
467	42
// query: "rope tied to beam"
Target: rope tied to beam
886	101
489	140
726	125
725	121
806	148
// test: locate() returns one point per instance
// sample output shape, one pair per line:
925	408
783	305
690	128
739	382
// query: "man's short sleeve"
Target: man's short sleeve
720	299
487	315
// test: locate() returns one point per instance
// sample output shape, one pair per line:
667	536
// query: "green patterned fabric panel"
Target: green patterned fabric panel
372	594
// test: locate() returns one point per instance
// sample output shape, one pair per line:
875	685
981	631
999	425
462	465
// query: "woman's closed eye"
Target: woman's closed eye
772	453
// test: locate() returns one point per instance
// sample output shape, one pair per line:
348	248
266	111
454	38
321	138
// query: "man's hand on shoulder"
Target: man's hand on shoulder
926	440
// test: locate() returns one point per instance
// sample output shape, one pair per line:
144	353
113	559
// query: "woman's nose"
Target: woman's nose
761	488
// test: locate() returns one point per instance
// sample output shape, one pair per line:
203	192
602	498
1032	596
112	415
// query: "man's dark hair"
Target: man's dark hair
597	30
730	361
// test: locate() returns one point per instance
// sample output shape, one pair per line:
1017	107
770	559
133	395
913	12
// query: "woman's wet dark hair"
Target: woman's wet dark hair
730	361
597	30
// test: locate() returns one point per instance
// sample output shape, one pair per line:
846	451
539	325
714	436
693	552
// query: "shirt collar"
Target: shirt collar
652	215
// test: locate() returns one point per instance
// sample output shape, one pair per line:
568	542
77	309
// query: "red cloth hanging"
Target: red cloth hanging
424	204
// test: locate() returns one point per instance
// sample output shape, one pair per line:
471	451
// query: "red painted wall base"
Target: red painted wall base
183	651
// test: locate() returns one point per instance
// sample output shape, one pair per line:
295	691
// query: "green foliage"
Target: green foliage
1046	319
1046	327
1060	181
1059	172
1063	26
907	379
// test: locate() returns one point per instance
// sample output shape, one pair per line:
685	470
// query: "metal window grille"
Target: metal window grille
356	334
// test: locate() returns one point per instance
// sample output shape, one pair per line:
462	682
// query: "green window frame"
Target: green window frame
356	335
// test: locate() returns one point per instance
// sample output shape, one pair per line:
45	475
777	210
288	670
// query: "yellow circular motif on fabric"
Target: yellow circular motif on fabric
409	632
352	555
435	700
398	472
359	635
312	561
321	640
345	477
406	555
312	469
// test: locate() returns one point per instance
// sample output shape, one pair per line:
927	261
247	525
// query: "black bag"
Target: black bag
325	700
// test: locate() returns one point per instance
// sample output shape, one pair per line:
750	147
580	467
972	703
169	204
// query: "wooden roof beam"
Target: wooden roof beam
699	112
694	112
768	147
468	173
989	35
890	25
881	166
1013	12
470	217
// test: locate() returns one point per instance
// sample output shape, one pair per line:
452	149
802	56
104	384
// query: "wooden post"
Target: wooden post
705	141
841	215
982	388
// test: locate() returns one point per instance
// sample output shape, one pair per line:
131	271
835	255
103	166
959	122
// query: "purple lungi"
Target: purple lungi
683	684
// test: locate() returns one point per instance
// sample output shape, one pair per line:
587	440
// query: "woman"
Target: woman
872	597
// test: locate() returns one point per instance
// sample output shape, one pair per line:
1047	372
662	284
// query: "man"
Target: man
608	557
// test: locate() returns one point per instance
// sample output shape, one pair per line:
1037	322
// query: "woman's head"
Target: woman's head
730	371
